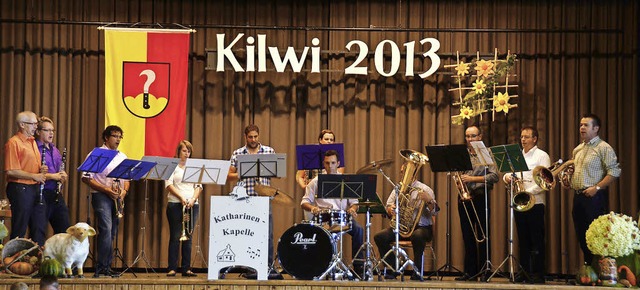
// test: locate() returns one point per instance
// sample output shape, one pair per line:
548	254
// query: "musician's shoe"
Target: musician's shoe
275	275
464	277
171	273
416	277
189	273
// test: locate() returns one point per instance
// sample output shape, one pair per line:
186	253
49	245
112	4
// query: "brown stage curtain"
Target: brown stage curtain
574	57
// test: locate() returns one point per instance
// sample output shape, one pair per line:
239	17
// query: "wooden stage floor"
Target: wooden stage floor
234	281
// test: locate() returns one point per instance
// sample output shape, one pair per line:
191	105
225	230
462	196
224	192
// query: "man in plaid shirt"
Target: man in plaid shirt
253	146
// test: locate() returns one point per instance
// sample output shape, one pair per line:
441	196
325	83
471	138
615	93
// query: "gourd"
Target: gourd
586	275
628	274
21	268
51	267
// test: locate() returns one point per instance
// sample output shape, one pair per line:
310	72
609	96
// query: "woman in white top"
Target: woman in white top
180	196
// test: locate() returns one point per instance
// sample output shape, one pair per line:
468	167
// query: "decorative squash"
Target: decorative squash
21	268
51	267
586	275
626	273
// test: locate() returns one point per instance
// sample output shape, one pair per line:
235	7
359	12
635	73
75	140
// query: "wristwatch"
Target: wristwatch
598	187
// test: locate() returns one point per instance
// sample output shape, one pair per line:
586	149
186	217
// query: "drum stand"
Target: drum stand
370	260
337	269
396	250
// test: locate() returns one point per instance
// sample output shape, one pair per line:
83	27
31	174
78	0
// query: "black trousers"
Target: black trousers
585	210
531	238
475	254
419	239
26	211
57	211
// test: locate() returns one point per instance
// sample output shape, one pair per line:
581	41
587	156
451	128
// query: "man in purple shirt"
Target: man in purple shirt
57	211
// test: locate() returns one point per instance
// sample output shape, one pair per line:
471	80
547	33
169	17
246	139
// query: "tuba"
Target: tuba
187	223
465	195
406	205
522	200
546	177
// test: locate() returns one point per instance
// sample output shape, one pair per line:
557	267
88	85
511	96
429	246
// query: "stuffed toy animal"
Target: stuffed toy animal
71	248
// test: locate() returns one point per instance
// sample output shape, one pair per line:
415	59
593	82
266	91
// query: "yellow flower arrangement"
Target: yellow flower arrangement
613	235
479	86
462	69
484	68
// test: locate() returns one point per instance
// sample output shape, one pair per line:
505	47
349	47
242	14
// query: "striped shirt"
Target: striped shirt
250	183
593	161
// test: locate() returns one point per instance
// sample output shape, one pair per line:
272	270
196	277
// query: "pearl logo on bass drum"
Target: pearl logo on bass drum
299	239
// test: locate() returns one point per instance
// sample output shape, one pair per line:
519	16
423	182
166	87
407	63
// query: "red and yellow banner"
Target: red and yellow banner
146	88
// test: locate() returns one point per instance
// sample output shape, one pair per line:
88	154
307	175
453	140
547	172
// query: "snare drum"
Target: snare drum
332	218
305	251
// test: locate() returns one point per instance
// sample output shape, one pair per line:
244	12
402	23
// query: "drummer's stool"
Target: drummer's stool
406	244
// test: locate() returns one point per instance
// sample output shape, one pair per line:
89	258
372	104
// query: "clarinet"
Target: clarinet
41	198
62	167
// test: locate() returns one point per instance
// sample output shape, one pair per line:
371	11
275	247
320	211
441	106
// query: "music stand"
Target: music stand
205	171
162	170
485	159
509	158
342	186
312	156
448	158
262	165
128	169
373	206
97	160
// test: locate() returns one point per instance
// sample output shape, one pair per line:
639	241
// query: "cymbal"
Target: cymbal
368	203
373	166
277	196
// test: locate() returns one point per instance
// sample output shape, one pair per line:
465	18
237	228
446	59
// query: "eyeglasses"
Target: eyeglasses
48	130
30	123
526	137
471	135
117	136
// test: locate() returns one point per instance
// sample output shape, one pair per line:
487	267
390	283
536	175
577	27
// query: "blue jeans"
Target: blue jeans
25	211
107	227
174	216
57	212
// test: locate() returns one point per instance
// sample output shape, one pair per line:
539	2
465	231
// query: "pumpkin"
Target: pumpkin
21	268
587	275
51	267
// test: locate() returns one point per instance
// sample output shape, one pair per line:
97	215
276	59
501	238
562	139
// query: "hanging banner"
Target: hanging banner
146	88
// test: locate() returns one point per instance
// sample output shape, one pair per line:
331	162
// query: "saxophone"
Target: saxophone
119	202
62	168
406	205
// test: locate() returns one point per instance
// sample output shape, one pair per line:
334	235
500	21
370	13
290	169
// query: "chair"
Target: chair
406	244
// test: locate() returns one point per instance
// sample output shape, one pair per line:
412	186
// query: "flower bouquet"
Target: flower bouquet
612	236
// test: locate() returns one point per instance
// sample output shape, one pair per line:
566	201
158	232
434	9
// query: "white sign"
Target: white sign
238	234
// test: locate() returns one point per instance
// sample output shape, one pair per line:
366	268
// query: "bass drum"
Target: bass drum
305	251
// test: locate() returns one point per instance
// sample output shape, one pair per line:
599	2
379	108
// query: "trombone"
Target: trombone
465	195
187	223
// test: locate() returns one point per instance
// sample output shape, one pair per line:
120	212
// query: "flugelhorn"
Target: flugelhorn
406	205
119	202
465	195
187	223
522	200
546	177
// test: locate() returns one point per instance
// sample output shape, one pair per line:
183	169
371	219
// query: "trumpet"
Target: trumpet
522	200
465	195
187	223
546	177
119	202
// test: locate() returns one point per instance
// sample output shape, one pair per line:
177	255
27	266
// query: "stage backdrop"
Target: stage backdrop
574	57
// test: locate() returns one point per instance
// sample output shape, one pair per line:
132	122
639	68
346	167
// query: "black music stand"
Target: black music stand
448	158
342	186
509	158
128	169
311	156
162	170
262	165
205	171
372	206
96	162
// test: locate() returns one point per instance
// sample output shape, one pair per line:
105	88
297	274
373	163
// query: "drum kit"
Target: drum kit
312	249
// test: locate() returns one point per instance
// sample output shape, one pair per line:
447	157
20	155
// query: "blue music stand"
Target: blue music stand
97	160
311	156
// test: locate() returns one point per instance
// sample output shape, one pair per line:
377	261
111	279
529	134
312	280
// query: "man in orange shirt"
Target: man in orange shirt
23	173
